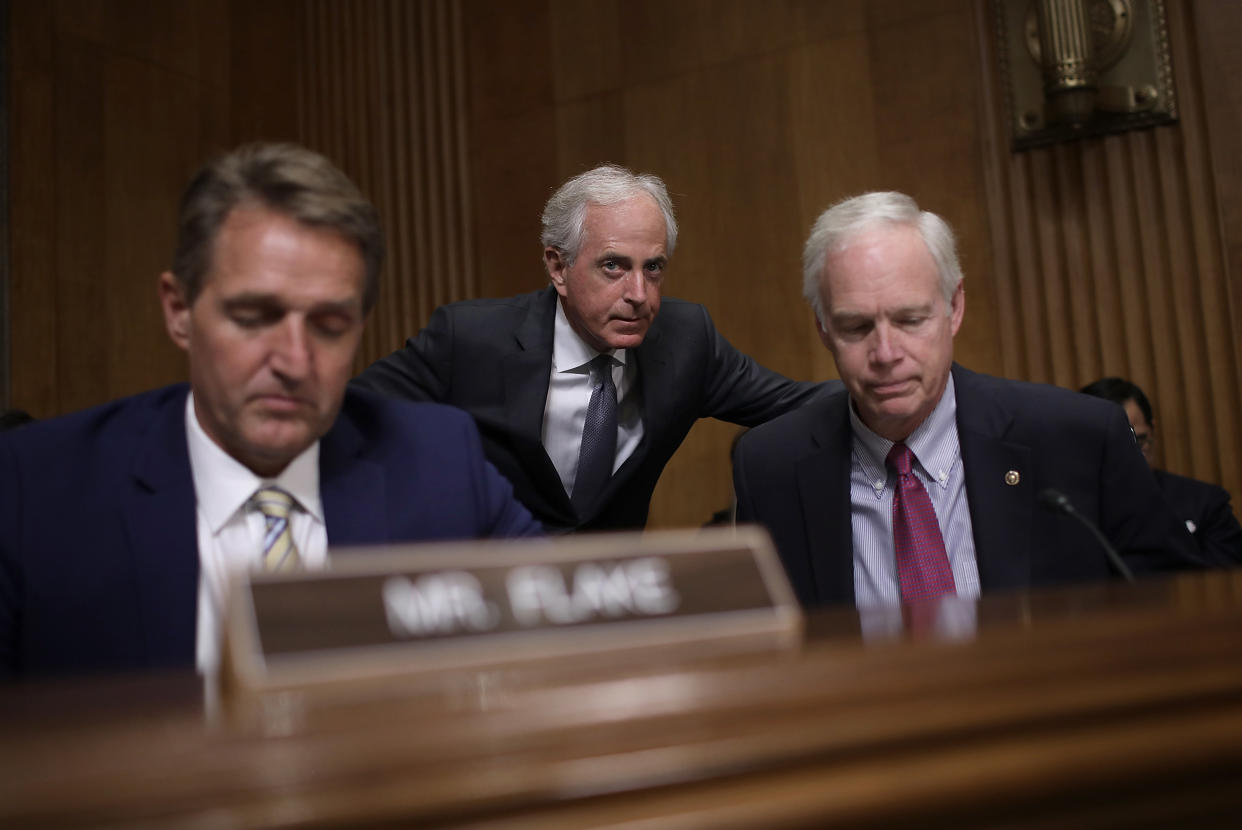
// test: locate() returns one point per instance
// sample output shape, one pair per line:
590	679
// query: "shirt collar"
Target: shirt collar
933	442
223	485
569	351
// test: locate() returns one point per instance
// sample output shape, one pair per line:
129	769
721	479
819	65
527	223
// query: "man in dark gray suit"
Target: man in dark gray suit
596	352
923	478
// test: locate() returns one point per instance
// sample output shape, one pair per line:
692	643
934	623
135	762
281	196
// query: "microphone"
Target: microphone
1058	502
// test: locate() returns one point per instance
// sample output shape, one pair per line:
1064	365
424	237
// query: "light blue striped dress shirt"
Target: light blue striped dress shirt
938	464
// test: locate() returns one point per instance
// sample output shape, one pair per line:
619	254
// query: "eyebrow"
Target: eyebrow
259	300
846	316
925	308
662	259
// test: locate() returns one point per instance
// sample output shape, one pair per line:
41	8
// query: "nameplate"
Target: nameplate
413	608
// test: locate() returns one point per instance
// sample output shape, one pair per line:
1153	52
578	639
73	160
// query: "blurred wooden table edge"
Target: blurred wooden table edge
1096	704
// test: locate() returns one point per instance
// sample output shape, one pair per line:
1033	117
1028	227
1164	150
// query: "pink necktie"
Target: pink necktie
922	564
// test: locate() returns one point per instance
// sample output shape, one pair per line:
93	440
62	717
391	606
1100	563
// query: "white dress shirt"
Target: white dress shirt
230	533
569	393
938	465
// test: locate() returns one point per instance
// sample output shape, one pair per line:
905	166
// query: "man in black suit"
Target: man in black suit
588	355
922	478
1202	506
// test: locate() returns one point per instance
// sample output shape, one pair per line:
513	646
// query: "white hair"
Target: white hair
564	216
838	226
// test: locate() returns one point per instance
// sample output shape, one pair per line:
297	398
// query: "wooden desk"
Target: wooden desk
1096	706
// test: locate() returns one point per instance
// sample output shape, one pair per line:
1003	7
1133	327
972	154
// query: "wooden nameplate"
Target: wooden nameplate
403	610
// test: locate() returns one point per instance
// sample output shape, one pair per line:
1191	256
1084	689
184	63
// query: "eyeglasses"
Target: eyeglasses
1143	439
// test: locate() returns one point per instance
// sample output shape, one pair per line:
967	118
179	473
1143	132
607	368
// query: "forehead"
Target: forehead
264	251
1135	414
886	264
636	220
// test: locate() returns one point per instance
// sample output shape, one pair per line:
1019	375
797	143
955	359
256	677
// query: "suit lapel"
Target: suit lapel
824	489
161	519
351	487
526	371
1001	513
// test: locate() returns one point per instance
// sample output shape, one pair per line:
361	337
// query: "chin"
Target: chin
625	340
283	439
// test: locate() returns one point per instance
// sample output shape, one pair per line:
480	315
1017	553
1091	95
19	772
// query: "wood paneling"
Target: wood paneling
513	129
115	104
1108	252
382	93
31	211
1216	26
265	46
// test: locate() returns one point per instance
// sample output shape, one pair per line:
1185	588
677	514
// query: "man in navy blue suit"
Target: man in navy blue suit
922	478
120	525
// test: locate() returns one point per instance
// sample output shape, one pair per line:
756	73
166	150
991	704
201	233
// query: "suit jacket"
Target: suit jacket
793	476
1208	516
493	358
99	565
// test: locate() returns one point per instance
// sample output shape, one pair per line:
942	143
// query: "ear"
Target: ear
957	308
554	261
176	309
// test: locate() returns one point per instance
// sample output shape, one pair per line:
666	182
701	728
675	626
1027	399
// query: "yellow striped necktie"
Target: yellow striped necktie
279	552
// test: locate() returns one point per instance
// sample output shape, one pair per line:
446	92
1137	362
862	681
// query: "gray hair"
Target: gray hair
840	224
564	216
284	178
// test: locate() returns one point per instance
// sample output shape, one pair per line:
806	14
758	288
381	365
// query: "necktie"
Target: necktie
279	552
922	564
599	437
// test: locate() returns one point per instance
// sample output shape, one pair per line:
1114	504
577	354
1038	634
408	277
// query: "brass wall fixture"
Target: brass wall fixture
1076	68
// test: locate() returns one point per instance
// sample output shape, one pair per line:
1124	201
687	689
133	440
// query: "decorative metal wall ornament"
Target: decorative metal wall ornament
1075	68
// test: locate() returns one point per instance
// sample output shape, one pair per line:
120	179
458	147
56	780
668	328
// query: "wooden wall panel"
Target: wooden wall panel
1110	251
81	245
265	46
32	210
1217	26
1213	396
513	129
382	92
115	104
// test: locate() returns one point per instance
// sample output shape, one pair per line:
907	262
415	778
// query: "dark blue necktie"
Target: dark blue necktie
599	437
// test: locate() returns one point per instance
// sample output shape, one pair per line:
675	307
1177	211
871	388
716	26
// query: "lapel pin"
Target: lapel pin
1012	478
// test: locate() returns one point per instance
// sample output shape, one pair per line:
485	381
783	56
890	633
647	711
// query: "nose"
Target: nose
291	352
885	348
635	288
